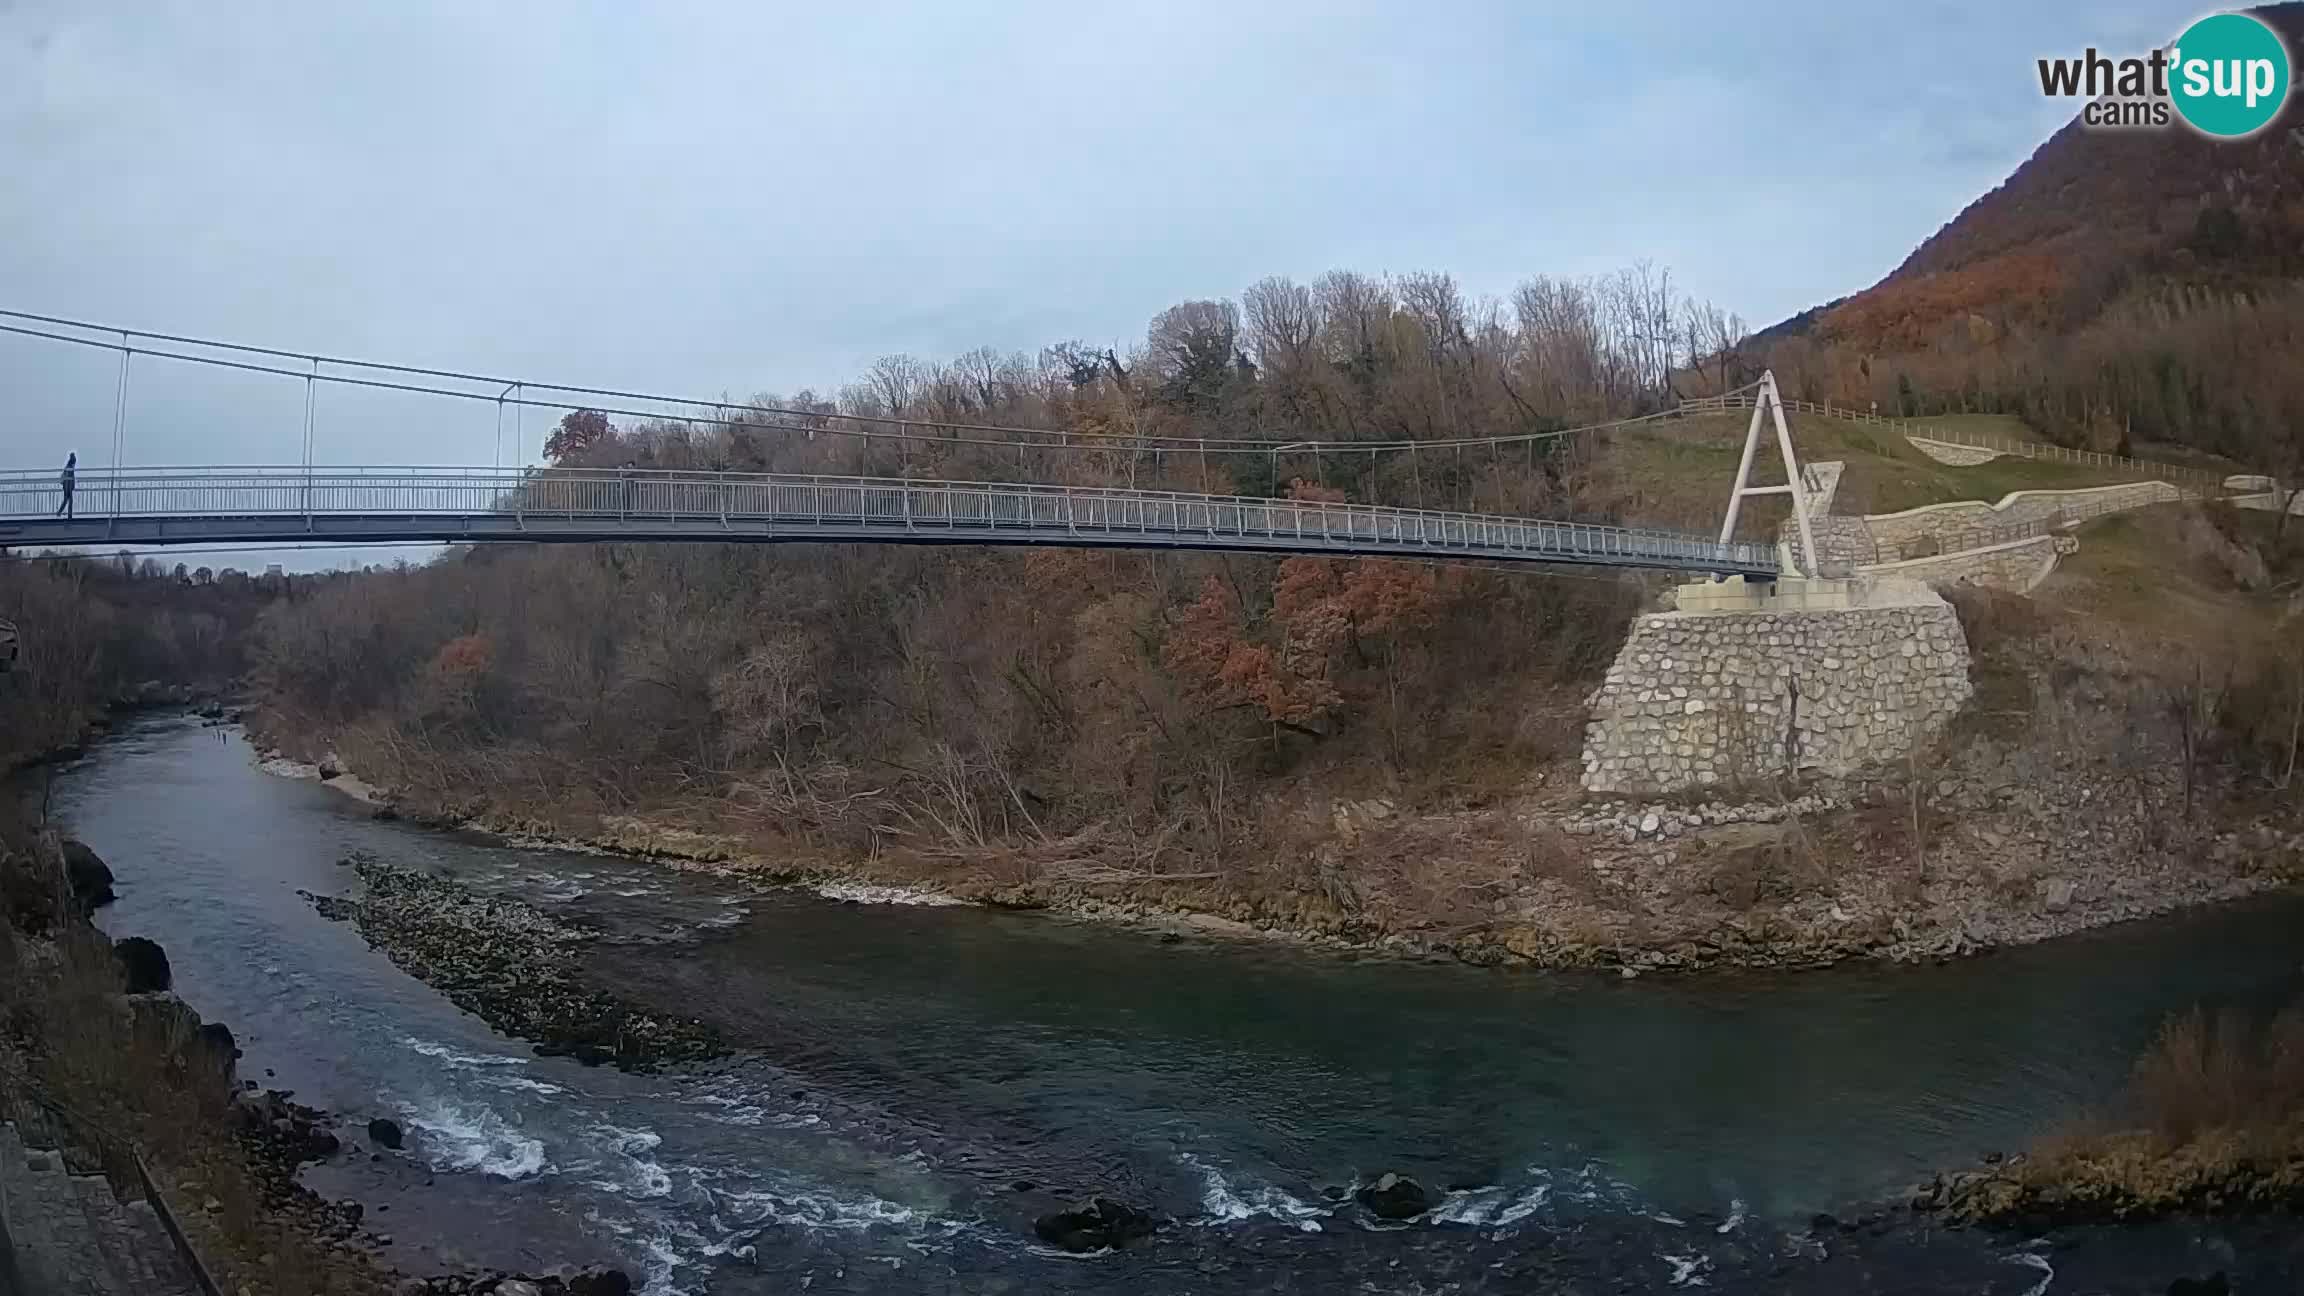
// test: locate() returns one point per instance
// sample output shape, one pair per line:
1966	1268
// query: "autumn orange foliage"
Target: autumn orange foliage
1328	615
463	658
1909	312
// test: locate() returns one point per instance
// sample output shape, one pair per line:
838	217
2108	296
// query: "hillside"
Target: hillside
2119	289
2092	212
1677	474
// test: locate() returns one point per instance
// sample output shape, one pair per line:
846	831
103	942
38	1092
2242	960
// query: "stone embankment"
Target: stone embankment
1961	523
515	967
2017	565
1631	821
1702	698
62	1231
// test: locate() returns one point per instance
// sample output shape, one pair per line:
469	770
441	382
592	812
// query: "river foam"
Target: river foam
1493	1207
636	1174
463	1137
1225	1202
865	893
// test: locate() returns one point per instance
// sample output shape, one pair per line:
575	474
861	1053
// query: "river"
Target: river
914	1083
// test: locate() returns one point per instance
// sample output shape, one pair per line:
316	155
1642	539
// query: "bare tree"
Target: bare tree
1283	323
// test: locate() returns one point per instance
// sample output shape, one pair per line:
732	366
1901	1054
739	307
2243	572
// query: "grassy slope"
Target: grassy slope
2176	573
1677	473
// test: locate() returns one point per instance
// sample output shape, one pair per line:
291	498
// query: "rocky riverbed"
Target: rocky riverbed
510	964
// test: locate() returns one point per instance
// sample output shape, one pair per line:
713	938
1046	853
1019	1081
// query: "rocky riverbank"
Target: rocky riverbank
511	965
2126	1178
1999	847
1621	885
96	1050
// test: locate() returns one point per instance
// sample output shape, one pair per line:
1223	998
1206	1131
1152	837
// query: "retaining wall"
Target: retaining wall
1696	698
2018	565
1948	521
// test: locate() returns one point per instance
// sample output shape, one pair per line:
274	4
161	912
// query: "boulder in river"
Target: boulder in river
217	1038
143	964
601	1281
1102	1223
1395	1197
384	1133
88	876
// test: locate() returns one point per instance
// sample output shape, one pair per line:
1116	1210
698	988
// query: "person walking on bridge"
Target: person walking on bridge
67	479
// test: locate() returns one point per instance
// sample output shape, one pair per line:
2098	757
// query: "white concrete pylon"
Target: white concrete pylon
1766	403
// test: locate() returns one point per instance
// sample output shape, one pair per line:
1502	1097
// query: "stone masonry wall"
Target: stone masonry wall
1949	523
1845	542
2019	565
1700	698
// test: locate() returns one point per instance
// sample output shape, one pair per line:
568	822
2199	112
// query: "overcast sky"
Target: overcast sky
746	197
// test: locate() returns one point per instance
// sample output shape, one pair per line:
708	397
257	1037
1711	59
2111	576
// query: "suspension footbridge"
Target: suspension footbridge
450	505
116	506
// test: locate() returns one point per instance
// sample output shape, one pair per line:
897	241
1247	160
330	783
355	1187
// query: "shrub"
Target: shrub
2224	1072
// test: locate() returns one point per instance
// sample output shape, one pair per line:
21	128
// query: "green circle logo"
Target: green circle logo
2228	75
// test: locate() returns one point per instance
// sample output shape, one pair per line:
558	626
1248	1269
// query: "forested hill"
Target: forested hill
2093	212
2121	288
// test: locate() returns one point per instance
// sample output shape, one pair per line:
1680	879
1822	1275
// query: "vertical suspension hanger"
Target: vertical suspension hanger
311	383
120	422
496	459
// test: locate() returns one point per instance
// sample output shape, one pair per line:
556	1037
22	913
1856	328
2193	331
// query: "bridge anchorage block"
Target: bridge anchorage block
1796	594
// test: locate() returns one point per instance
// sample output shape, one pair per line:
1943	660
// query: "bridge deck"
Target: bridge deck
374	505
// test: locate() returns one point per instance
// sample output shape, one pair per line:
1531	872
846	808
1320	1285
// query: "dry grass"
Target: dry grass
1553	854
2221	1073
2145	569
2212	1119
1677	473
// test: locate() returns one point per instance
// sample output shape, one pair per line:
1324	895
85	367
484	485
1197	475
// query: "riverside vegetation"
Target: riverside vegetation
1385	753
2211	1120
1372	753
1365	751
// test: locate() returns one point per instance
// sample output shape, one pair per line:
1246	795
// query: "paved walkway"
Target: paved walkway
66	1234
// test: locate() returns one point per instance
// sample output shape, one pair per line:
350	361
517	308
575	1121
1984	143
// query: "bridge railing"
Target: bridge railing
639	500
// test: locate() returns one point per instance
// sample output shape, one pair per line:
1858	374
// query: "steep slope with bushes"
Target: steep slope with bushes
2122	289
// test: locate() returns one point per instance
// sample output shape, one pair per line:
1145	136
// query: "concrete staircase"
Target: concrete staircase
64	1233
